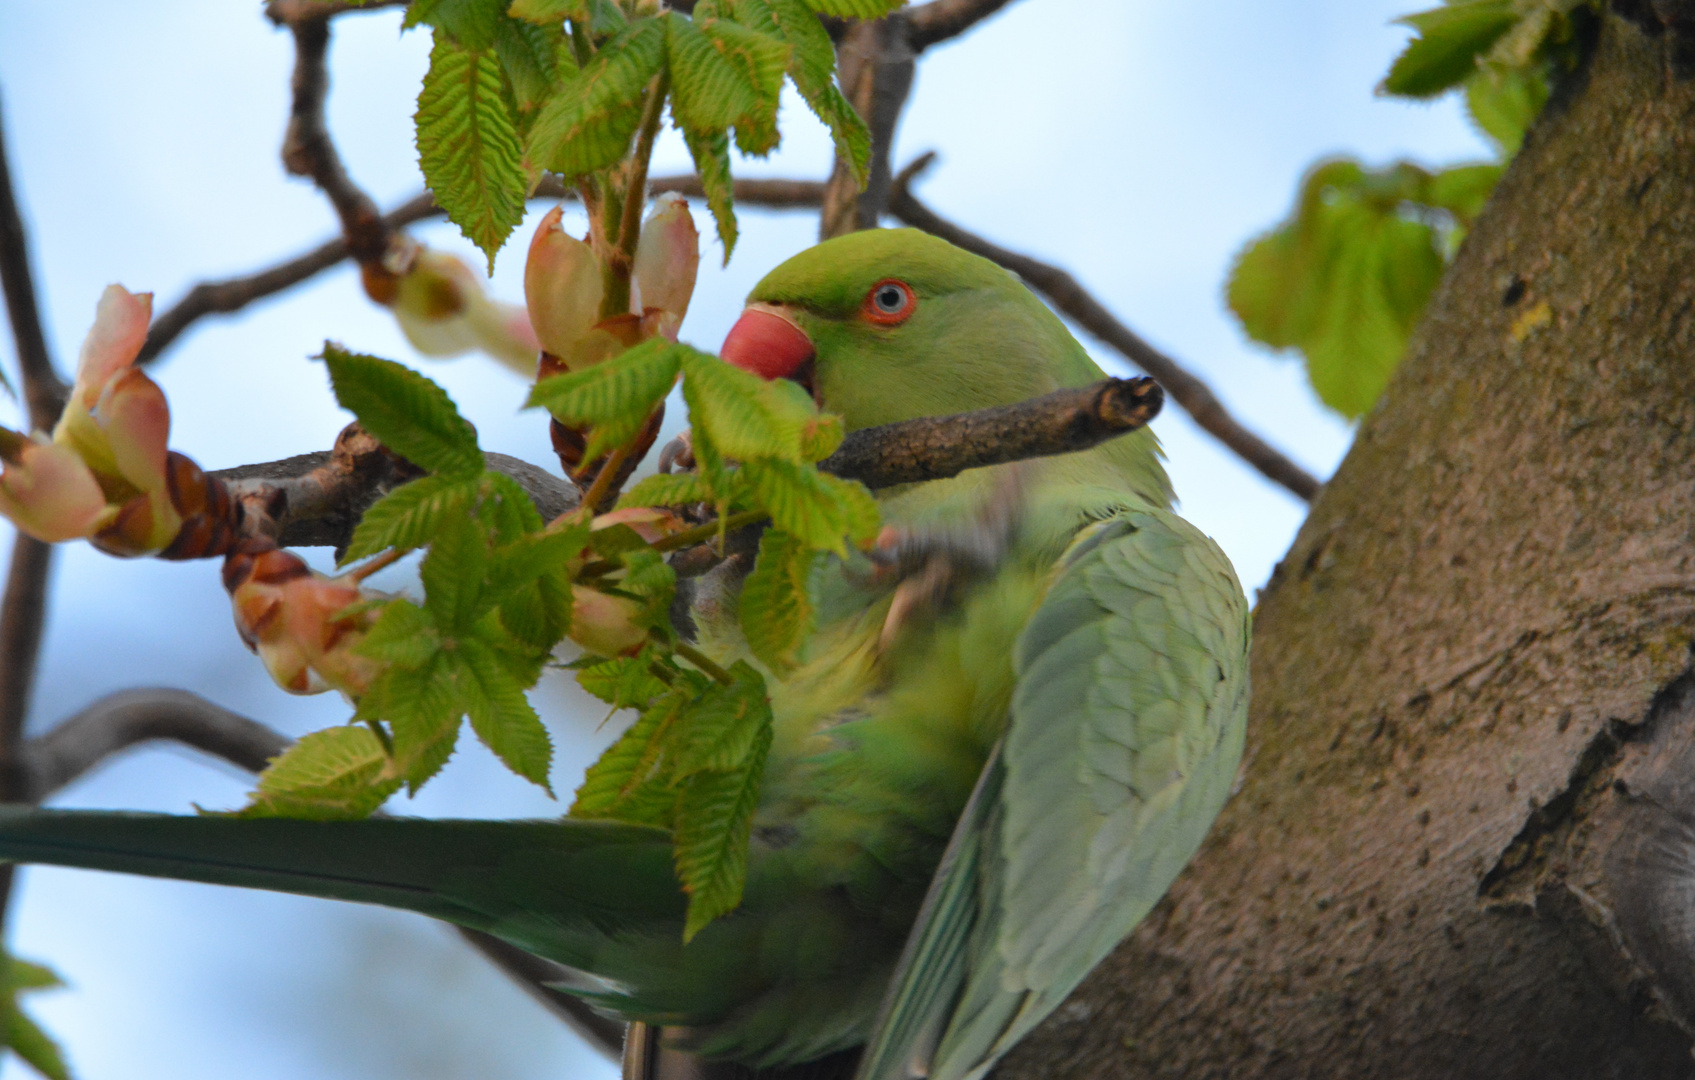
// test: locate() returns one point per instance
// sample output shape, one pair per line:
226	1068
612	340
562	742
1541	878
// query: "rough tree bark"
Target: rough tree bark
1462	845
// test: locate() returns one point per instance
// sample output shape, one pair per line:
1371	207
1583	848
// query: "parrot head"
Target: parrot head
887	325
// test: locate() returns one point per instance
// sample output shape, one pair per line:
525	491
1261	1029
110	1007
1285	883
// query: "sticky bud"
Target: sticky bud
293	618
667	259
605	625
563	287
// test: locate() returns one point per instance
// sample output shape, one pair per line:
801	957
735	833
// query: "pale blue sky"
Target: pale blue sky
1138	144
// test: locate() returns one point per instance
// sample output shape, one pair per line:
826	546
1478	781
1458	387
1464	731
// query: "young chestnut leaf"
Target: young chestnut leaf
407	412
327	775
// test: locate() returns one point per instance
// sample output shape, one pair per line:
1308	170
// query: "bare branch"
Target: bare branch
128	718
307	149
936	447
1196	398
44	391
876	64
315	500
23	611
289	12
939	20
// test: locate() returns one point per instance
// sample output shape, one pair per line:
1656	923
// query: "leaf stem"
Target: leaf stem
635	195
696	535
703	662
380	562
603	479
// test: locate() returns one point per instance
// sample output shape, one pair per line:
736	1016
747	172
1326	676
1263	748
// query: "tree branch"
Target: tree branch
936	447
876	64
935	22
44	391
1069	296
307	149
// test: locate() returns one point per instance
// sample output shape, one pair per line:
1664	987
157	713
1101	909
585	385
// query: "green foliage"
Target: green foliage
614	399
406	412
588	123
776	604
1450	40
468	143
409	515
335	773
21	1034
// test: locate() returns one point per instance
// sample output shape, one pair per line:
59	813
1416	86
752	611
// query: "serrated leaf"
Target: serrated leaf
610	541
549	12
501	715
719	731
623	681
667	489
406	412
588	122
626	783
821	511
403	636
855	9
422	709
1504	102
540	615
22	975
470	23
517	565
327	775
742	415
714	821
468	145
1463	190
529	55
724	73
812	67
453	572
776	603
409	515
613	399
1450	40
27	1039
711	154
506	509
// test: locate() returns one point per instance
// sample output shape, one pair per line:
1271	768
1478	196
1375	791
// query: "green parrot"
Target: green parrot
1018	718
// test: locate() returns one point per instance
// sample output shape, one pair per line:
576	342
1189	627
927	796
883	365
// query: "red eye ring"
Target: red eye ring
890	302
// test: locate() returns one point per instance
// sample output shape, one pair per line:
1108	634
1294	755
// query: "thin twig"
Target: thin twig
44	391
288	12
1196	398
935	22
936	447
307	149
876	65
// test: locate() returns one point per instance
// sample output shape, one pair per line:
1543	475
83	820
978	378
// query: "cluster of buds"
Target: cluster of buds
304	626
106	473
565	287
443	310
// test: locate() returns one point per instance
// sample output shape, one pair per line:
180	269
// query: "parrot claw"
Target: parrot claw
678	454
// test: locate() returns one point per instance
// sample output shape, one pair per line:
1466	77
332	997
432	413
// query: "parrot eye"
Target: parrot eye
890	303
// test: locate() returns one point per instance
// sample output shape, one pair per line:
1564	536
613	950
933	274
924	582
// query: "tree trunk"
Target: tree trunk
1464	841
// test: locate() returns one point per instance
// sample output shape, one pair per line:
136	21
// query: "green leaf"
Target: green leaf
714	821
623	681
409	515
23	975
855	9
1463	190
549	12
406	412
25	1038
403	636
529	56
423	710
468	145
776	602
742	415
667	489
470	23
625	784
502	716
506	510
518	565
613	399
1450	40
453	573
588	122
711	154
720	730
823	512
330	774
812	66
1503	102
540	615
724	73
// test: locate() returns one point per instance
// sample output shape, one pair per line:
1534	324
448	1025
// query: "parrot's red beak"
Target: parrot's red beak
768	343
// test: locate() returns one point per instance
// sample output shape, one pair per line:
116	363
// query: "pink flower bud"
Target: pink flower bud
667	258
443	310
48	492
120	328
651	523
605	625
563	287
292	617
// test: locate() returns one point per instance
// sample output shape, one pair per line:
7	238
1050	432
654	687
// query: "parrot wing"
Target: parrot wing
1126	731
567	890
